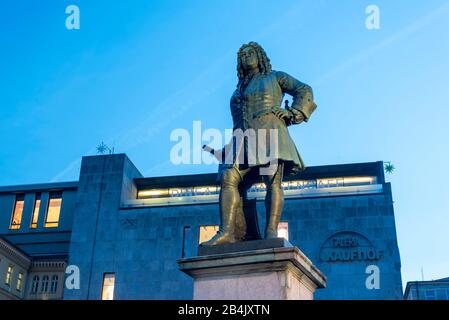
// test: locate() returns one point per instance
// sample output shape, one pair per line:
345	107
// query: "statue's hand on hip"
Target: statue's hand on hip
282	114
297	116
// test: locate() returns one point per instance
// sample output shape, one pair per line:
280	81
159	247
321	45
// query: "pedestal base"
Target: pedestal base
279	273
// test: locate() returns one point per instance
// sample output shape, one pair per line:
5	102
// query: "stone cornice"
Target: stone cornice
48	265
11	252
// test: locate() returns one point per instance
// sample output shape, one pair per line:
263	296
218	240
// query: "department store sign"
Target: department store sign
348	246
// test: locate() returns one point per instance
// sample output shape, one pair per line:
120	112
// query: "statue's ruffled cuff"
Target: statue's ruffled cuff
303	102
302	97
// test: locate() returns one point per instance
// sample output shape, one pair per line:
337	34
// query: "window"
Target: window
430	294
19	281
54	284
9	275
35	284
35	217
16	218
107	293
53	210
441	294
44	286
207	233
283	230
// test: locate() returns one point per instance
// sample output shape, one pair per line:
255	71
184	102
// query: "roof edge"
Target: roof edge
40	187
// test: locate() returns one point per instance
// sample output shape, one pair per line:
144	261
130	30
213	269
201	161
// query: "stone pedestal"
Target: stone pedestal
253	270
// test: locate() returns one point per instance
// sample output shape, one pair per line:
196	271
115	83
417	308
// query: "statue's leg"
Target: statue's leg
240	220
274	201
229	203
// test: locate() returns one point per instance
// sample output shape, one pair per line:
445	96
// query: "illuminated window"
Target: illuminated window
37	204
154	193
107	293
35	284
19	281
8	276
283	230
207	232
44	286
54	284
16	218
54	209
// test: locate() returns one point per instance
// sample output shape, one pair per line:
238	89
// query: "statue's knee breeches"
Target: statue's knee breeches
274	186
274	182
230	178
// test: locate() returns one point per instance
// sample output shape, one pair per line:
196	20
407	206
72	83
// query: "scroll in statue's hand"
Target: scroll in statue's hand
217	153
282	114
290	116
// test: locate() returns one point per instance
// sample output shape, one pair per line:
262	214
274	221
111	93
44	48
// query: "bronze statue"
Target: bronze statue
256	104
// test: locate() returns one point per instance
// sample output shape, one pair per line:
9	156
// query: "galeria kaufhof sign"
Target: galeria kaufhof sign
349	246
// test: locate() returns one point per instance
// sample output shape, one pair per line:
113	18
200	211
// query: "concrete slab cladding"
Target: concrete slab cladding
347	230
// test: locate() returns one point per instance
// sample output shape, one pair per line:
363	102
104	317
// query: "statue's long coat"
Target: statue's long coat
253	107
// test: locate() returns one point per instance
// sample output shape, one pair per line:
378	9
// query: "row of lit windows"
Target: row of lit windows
9	276
259	187
52	214
38	286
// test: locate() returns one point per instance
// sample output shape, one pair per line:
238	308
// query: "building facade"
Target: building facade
427	290
14	266
35	226
124	232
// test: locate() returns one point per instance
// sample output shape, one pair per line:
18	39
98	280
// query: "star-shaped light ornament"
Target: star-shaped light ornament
389	167
102	148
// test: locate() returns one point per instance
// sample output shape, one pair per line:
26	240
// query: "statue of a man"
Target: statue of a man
256	105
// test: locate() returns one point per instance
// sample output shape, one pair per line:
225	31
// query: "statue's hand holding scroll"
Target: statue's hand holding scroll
296	116
289	115
282	114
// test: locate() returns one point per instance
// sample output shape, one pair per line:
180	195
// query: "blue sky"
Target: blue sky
137	70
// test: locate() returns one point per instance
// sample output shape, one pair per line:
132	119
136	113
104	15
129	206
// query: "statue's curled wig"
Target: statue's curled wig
263	61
